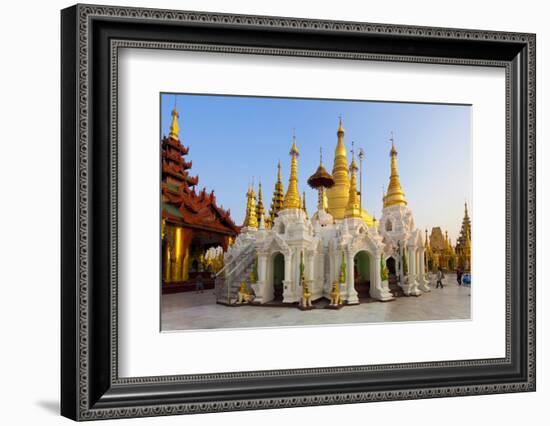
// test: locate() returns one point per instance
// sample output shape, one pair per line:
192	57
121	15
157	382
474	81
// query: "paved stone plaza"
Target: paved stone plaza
191	311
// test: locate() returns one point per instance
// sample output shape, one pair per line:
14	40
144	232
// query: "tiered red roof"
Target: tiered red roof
181	203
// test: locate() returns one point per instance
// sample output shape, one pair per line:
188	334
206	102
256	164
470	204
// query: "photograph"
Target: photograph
292	212
274	208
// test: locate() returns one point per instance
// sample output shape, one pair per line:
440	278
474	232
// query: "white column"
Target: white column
311	266
377	289
412	265
310	274
261	286
423	284
288	266
352	298
287	283
413	283
399	263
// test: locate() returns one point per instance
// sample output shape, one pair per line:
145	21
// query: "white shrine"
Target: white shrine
280	258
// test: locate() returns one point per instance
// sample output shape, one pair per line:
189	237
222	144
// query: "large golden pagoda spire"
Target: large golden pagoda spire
338	195
353	209
250	220
395	195
174	126
292	196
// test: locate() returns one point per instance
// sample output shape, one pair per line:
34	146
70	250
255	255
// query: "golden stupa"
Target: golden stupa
395	195
338	196
292	197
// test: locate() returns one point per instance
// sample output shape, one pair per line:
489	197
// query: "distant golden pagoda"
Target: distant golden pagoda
338	195
463	244
250	220
292	196
278	197
439	250
395	195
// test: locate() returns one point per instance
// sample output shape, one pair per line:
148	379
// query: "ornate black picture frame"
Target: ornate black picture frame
91	37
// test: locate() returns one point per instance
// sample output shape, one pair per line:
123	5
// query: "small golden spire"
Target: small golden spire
260	210
395	195
278	197
250	220
353	209
304	202
174	126
292	197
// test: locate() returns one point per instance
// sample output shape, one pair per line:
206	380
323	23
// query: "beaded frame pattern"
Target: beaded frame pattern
87	12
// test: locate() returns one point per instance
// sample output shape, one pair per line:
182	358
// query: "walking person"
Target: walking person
199	285
459	273
440	276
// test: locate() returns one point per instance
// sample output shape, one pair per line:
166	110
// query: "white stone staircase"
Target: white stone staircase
229	278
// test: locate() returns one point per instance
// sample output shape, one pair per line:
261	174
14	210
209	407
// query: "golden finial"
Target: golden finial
393	151
292	197
395	194
174	126
340	126
304	202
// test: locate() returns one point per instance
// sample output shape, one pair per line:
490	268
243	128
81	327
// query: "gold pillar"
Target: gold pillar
185	272
178	254
166	257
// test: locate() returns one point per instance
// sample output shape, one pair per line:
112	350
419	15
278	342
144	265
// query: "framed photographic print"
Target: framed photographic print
263	212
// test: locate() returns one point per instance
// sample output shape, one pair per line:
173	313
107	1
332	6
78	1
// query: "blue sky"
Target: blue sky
234	139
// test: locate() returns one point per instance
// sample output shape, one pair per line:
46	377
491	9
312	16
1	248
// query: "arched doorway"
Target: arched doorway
278	276
390	264
361	274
